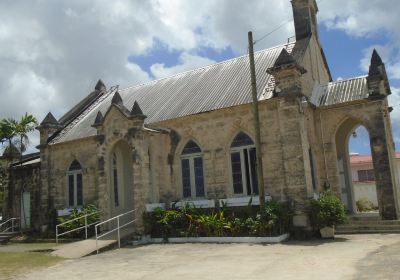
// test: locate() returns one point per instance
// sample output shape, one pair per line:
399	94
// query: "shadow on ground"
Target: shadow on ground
383	263
315	242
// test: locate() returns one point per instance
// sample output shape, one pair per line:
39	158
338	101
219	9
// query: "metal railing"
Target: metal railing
117	229
13	225
86	226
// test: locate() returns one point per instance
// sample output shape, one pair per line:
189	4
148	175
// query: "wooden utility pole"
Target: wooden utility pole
256	118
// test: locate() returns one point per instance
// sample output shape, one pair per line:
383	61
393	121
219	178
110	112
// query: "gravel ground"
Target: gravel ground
346	257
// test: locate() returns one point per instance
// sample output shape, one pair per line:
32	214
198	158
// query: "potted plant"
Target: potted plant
327	212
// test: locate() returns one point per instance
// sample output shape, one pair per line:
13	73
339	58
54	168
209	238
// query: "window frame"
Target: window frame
192	173
254	190
119	167
75	174
368	173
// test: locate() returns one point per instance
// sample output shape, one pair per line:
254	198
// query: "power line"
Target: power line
271	32
279	27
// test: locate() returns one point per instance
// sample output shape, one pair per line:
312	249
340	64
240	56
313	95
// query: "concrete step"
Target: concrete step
378	222
368	225
374	227
5	237
365	231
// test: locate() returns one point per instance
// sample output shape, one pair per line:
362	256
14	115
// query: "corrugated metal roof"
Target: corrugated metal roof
340	92
209	88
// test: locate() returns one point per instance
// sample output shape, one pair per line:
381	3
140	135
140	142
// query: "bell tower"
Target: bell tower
305	18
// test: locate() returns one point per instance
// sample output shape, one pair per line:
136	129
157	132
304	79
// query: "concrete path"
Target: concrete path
84	248
347	257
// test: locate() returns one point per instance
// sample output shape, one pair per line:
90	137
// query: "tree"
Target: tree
7	130
22	128
16	132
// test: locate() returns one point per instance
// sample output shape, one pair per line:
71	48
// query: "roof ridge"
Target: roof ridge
348	79
206	66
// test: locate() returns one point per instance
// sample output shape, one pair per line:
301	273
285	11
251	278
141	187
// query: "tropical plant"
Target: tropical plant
79	214
12	131
7	130
26	124
365	205
274	219
327	211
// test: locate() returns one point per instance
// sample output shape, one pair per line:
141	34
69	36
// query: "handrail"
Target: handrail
75	229
13	225
118	228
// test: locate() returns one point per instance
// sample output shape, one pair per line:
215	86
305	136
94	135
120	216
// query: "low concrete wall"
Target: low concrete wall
366	190
253	240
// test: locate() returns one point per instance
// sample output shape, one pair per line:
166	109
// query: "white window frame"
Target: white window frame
191	158
75	173
243	169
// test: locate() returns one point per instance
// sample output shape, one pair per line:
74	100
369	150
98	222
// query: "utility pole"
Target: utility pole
256	118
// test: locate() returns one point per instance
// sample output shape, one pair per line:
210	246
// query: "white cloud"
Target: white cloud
394	100
186	62
53	52
360	17
370	19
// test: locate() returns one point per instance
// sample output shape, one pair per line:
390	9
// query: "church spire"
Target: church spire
305	18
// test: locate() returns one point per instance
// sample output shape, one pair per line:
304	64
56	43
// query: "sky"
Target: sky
53	52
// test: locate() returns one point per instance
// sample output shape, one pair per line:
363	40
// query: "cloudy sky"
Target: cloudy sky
53	52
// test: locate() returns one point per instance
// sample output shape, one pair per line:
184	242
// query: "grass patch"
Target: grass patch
15	263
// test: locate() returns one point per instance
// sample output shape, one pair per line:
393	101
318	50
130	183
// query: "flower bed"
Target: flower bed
250	221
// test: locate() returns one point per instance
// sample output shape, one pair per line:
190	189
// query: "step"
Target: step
368	227
379	222
366	231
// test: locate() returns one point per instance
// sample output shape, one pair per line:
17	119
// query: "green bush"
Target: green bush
75	213
364	205
245	221
327	211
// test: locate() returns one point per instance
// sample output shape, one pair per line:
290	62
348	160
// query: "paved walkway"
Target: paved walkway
348	257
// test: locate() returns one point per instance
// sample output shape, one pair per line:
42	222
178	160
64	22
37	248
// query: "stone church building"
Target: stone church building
190	137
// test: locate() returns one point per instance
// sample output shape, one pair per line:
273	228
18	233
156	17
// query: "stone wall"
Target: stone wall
25	178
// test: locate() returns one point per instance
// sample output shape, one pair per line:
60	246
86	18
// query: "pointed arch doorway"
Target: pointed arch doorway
120	179
344	135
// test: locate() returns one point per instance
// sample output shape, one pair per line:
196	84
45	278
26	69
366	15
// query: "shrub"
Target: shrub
76	213
192	222
364	205
327	211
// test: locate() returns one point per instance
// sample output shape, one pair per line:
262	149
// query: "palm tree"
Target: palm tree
7	130
22	128
7	135
11	129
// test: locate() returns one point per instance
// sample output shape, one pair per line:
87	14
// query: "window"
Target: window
192	171
313	169
243	161
366	175
115	179
75	184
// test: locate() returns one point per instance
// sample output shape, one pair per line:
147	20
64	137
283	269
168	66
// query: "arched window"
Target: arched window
115	179
75	184
192	171
243	160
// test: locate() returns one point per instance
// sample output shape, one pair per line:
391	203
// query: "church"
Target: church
191	138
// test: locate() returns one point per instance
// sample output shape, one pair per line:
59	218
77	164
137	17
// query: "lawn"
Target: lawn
16	259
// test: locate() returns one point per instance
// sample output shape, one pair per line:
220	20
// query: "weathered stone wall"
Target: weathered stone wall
314	63
60	158
335	123
23	179
284	144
